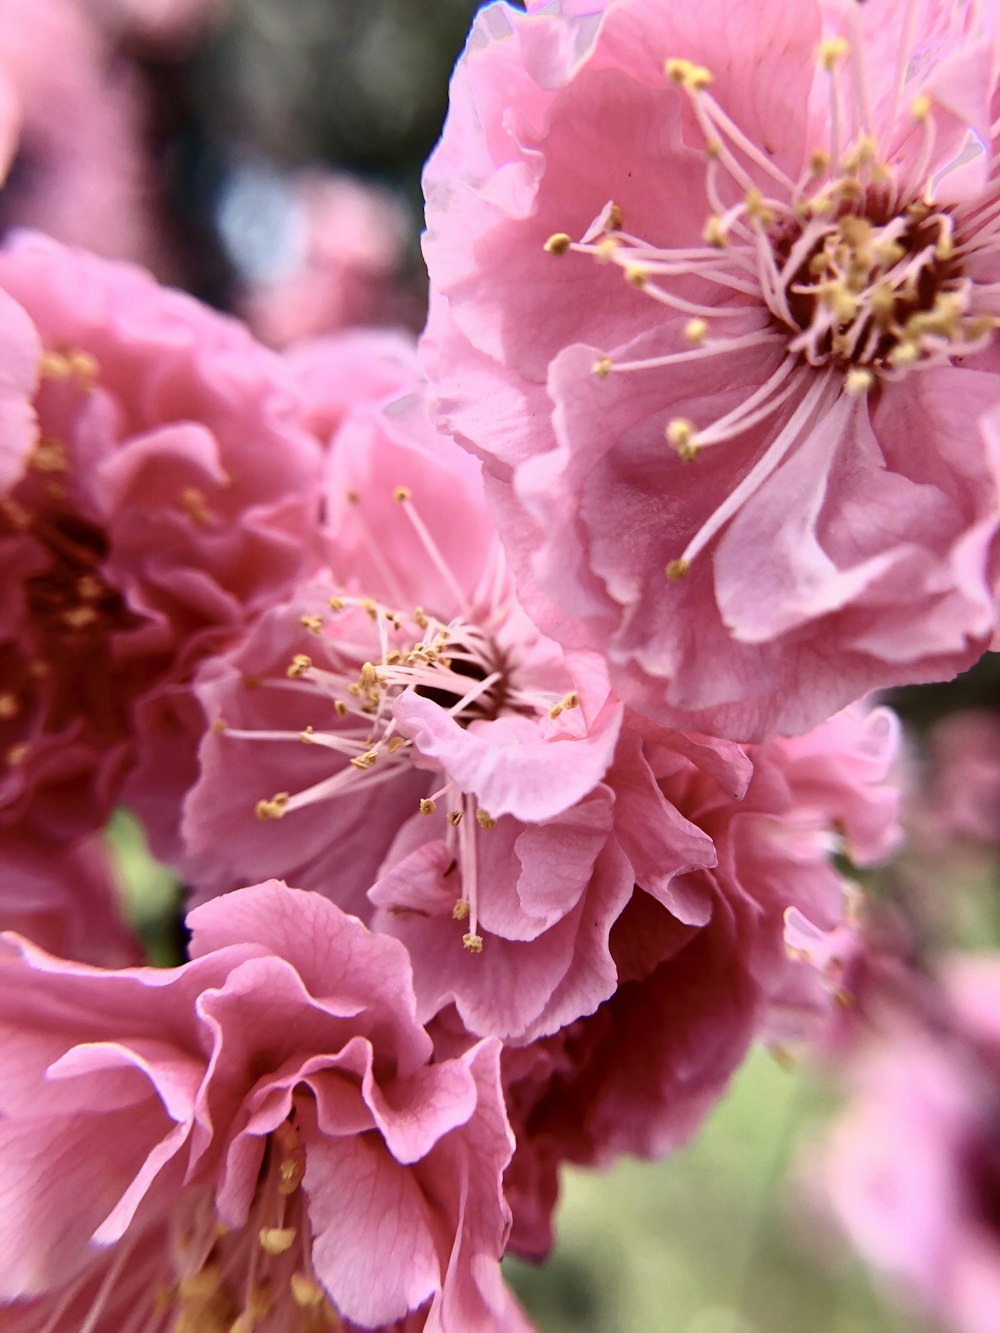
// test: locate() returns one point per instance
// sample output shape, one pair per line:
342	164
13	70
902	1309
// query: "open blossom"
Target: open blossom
912	1169
734	414
402	721
256	1140
697	985
169	494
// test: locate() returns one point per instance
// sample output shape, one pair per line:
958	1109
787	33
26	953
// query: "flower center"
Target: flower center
362	657
231	1281
852	270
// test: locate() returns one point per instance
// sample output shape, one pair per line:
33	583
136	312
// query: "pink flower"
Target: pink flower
698	983
912	1169
169	496
733	416
343	372
255	1140
962	800
403	722
339	261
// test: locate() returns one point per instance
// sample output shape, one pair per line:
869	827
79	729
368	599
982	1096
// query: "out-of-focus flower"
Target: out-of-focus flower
962	800
735	414
65	900
912	1170
71	123
170	495
169	24
318	252
253	1141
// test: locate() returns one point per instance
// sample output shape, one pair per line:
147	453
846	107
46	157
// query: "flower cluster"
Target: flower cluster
535	657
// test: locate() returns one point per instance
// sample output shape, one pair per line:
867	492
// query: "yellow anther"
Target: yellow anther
677	569
606	249
454	818
567	702
299	665
714	233
889	253
49	455
613	218
713	149
485	820
861	154
79	617
307	736
819	161
220	726
680	433
194	504
273	808
636	275
367	760
314	624
395	743
461	910
904	354
602	367
16	754
54	366
832	51
84	366
9	706
420	617
858	381
757	209
336	603
291	1173
277	1240
369	676
558	243
427	806
920	107
401	494
695	331
306	1291
340	708
352	496
783	1057
89	587
686	74
473	943
370	608
836	297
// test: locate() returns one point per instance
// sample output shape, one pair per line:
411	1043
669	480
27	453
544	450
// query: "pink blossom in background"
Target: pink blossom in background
256	1139
912	1169
735	418
170	495
166	24
65	900
338	261
72	121
962	800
